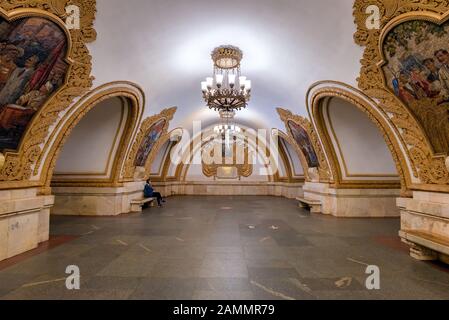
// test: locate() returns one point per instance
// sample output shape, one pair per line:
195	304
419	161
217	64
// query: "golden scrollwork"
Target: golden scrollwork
130	168
428	167
323	169
244	169
17	170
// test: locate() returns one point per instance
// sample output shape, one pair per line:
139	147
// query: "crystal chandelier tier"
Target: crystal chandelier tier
227	90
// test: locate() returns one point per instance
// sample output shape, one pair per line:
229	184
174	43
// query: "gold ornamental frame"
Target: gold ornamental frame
323	170
17	170
316	103
429	167
130	168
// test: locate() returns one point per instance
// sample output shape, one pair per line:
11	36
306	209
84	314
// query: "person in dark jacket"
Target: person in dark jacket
148	192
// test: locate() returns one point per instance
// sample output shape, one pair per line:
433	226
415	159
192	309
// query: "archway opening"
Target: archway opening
358	145
366	182
90	160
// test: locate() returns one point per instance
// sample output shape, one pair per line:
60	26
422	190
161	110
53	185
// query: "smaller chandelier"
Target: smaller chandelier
227	90
228	129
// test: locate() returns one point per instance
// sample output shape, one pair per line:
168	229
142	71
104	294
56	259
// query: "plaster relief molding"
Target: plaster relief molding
323	170
132	97
292	177
17	170
171	140
318	97
174	136
111	155
200	140
242	170
337	144
130	168
429	167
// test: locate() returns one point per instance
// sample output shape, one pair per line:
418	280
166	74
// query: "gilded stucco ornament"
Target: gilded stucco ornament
301	156
132	97
130	167
17	169
428	166
323	168
244	169
2	160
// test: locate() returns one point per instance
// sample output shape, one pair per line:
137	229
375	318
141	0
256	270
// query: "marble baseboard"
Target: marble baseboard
223	188
89	201
354	202
24	221
424	217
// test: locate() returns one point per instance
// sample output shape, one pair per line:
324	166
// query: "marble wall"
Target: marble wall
425	224
228	188
92	201
353	202
24	220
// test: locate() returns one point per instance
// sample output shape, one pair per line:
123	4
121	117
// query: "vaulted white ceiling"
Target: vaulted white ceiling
164	46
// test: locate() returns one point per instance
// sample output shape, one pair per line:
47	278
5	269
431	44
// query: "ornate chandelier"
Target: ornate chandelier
227	90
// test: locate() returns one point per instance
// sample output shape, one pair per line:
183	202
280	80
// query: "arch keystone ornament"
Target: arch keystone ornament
17	170
405	67
318	158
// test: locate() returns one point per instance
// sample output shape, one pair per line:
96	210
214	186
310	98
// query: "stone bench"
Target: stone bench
314	205
137	204
426	246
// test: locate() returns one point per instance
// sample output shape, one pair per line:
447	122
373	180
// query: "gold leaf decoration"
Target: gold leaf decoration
17	170
429	167
130	168
323	169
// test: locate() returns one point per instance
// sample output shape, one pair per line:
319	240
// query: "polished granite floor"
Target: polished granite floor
224	248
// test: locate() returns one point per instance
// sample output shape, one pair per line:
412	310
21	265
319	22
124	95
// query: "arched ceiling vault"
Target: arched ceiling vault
165	45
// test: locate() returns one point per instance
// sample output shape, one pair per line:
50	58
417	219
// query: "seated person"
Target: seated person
148	192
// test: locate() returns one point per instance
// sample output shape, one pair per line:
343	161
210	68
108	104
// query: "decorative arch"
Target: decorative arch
196	144
319	94
430	172
322	166
172	138
286	160
18	168
142	138
130	94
